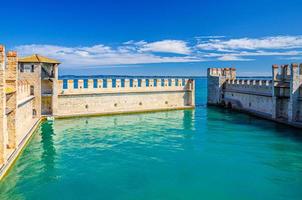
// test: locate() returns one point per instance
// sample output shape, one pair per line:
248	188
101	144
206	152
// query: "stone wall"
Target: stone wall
279	99
88	97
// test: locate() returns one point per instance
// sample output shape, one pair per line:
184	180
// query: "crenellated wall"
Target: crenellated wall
279	99
30	91
17	103
103	96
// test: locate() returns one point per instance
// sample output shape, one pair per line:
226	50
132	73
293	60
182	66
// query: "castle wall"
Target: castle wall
279	99
250	95
94	97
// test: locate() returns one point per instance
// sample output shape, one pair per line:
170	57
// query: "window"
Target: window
34	112
21	66
32	90
27	68
155	82
131	82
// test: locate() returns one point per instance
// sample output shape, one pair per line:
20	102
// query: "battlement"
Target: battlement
279	98
86	86
229	73
250	82
285	72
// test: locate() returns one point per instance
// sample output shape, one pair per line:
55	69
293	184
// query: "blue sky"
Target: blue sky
155	37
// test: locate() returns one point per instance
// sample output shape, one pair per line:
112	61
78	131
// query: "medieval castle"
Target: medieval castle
30	91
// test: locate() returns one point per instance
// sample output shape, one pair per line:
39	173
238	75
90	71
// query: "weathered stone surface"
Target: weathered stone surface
278	99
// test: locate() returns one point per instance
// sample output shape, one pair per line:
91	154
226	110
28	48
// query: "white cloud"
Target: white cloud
167	46
277	42
229	57
205	48
100	55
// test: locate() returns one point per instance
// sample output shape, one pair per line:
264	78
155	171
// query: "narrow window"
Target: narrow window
32	90
34	112
131	82
147	83
170	82
139	83
32	68
155	82
21	68
122	82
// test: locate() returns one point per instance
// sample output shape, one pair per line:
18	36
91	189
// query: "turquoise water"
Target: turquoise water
209	153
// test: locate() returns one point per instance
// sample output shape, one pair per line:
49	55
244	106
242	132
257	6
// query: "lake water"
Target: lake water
206	153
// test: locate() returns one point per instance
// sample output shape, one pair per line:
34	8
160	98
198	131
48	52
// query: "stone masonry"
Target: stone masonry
278	99
30	91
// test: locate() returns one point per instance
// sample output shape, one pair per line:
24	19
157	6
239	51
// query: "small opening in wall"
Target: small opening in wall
250	104
115	104
32	90
34	112
86	106
140	103
232	94
166	102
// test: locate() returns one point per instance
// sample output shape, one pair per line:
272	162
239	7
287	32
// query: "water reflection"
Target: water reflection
49	151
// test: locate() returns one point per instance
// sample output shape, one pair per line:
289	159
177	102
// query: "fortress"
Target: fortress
30	91
278	99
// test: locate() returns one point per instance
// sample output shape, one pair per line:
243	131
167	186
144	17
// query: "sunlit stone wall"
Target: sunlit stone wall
103	96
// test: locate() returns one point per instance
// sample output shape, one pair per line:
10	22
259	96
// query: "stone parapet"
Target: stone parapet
93	86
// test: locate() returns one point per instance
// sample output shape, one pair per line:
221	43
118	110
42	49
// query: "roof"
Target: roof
35	58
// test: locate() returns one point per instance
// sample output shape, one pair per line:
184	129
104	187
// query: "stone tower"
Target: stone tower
216	79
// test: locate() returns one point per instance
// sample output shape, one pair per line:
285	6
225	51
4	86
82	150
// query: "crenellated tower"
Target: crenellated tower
3	122
216	78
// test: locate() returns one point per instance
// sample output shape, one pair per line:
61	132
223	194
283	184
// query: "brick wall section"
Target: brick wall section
3	129
11	82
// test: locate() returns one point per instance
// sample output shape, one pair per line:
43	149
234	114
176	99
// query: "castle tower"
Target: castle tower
216	79
3	122
11	103
295	83
42	74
